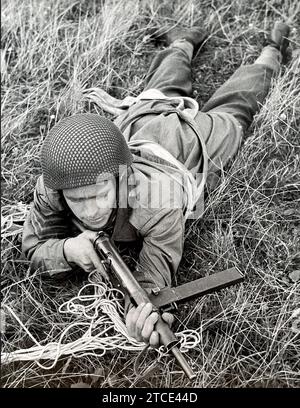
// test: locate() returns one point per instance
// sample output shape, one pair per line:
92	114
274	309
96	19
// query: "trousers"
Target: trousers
240	96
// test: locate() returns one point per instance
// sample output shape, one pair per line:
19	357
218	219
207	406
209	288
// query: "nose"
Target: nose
92	211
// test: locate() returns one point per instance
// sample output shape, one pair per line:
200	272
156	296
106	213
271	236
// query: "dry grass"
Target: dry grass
50	51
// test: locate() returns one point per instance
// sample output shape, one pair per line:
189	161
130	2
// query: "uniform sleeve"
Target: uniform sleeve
163	241
45	231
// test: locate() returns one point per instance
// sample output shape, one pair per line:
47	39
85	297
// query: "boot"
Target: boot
196	36
279	38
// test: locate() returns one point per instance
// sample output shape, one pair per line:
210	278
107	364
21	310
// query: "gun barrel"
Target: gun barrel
183	363
108	252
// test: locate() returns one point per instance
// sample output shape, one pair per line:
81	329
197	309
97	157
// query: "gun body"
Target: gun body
109	253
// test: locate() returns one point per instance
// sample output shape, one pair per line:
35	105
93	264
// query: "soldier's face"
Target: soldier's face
92	204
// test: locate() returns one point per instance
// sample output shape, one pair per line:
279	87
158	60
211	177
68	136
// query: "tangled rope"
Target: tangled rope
99	315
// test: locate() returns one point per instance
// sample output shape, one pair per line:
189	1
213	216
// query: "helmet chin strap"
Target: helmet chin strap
113	214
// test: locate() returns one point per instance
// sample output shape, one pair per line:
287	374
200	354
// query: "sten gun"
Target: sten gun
109	254
114	263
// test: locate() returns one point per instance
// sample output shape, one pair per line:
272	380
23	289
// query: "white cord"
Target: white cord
100	316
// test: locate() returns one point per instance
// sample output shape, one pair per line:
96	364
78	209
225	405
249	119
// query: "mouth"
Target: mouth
94	220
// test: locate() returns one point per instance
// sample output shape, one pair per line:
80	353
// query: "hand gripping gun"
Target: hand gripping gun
114	263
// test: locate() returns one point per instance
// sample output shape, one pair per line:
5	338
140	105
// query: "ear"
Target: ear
54	198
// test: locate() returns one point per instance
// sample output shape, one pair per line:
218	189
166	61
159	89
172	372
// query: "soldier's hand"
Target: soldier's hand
80	250
140	323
